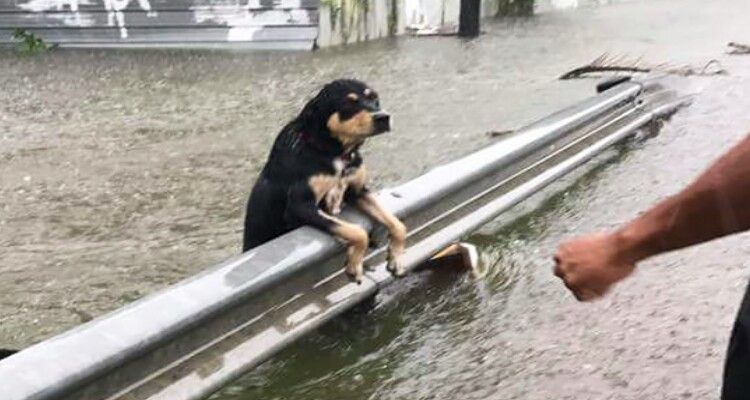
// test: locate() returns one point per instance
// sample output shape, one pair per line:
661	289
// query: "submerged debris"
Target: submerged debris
424	30
606	63
494	134
29	43
515	8
739	48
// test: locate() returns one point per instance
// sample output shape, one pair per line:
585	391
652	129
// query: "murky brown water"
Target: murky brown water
121	173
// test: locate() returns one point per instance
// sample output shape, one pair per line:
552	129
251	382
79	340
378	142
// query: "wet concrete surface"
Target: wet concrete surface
121	173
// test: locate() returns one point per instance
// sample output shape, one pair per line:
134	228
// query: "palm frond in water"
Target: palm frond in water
607	63
738	48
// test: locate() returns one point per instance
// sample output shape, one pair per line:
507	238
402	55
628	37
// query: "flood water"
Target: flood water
123	172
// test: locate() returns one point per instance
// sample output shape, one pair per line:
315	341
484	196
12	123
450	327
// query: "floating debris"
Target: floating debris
739	48
425	30
607	63
495	134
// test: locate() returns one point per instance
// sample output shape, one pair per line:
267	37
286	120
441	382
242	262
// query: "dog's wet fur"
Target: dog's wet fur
315	167
5	353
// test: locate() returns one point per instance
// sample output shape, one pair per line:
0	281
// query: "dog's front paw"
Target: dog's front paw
396	266
356	273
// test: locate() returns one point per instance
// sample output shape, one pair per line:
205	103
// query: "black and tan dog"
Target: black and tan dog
315	166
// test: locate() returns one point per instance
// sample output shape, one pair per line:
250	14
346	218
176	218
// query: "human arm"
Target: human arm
716	204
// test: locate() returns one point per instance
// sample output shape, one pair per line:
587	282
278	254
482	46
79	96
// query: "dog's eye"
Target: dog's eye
370	94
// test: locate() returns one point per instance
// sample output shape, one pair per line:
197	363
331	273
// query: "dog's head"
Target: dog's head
346	110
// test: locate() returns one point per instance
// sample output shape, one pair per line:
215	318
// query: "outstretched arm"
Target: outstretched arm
715	205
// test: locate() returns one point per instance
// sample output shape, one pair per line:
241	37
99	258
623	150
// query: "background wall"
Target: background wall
265	24
289	24
436	13
351	21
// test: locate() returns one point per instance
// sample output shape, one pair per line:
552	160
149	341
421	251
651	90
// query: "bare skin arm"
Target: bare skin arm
714	205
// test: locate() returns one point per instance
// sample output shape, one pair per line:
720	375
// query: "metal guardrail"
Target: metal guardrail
191	339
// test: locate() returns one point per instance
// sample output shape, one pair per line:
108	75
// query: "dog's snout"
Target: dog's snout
381	122
382	117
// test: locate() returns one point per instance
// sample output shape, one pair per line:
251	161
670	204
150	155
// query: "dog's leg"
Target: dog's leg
396	230
356	239
365	201
303	206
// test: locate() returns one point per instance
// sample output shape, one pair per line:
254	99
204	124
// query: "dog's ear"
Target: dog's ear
311	118
315	113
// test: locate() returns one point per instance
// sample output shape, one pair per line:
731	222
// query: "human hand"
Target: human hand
590	265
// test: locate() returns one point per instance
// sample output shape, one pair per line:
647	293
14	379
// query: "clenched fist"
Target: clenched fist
590	265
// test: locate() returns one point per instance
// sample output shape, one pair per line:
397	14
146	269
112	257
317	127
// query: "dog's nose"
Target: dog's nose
381	121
